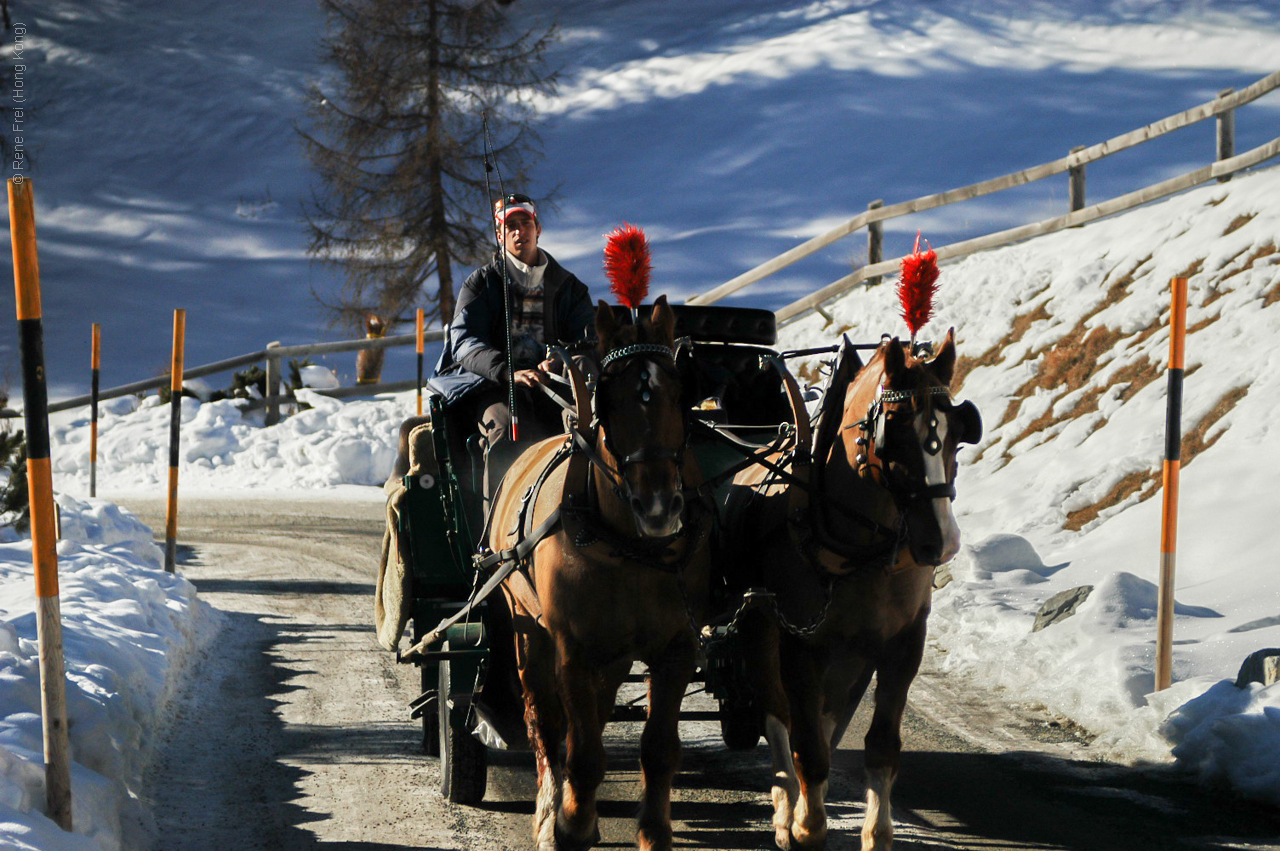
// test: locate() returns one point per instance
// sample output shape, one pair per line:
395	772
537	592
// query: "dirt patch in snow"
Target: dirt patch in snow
1239	222
1021	323
1149	482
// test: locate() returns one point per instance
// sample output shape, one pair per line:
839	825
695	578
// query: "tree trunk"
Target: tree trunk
439	223
444	272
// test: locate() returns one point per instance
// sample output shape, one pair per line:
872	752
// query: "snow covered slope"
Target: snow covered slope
1064	342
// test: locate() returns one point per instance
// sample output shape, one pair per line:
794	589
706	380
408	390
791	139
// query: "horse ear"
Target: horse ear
606	325
663	320
895	359
943	365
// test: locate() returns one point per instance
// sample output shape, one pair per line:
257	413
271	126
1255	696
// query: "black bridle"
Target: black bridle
645	454
875	433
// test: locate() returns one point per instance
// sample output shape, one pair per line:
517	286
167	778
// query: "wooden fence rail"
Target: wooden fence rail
271	353
1017	234
1074	162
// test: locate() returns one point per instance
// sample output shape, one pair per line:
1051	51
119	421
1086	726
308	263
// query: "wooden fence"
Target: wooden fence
1228	162
273	355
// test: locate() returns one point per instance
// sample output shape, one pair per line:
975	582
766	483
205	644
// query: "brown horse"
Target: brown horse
622	577
850	562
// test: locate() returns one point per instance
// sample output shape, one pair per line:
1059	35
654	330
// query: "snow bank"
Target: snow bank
129	631
331	443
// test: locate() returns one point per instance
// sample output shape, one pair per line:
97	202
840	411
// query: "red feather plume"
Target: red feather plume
917	286
626	263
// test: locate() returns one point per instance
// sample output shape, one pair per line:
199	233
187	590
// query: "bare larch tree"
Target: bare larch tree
396	138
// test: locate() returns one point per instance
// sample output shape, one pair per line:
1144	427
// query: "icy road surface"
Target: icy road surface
297	736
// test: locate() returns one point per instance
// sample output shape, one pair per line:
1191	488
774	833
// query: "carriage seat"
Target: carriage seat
748	389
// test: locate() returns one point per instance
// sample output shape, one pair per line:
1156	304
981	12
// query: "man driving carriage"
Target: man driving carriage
549	306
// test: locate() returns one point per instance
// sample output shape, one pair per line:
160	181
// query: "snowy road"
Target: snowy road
296	735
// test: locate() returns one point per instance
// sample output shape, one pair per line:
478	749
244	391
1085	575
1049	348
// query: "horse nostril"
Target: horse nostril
637	506
677	503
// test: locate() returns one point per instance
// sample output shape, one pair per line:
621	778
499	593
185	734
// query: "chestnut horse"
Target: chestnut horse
621	577
849	560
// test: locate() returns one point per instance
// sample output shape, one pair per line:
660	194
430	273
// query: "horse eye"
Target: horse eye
644	397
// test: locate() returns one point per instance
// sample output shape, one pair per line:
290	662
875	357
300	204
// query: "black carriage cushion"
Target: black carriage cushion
714	324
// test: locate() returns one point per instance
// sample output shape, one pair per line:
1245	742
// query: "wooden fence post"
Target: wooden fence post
175	432
44	538
1172	465
95	360
1076	183
875	241
1226	134
420	324
273	385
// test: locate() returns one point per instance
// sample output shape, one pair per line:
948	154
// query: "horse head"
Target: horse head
641	417
902	430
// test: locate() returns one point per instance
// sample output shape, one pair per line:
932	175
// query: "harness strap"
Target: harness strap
518	553
946	490
796	481
519	586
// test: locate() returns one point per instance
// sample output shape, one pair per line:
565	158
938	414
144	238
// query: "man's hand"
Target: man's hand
530	377
549	366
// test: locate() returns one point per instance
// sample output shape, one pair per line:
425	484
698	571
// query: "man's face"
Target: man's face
520	236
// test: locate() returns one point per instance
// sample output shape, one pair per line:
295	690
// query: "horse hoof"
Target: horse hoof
564	842
804	842
782	838
654	840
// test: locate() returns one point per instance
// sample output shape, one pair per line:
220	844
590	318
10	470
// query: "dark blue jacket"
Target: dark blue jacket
474	354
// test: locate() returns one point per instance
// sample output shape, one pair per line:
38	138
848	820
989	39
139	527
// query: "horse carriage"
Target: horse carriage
466	706
696	518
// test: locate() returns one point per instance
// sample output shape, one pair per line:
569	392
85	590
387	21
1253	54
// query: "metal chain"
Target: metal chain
808	630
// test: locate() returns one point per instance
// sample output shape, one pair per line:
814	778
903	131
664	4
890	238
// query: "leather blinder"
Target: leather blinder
970	422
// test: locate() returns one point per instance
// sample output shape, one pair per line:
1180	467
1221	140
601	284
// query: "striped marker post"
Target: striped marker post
1172	466
96	362
175	428
44	554
420	329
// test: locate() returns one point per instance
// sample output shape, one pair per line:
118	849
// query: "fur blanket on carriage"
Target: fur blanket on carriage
394	595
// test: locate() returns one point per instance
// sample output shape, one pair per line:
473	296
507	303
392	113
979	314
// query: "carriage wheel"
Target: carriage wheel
740	725
463	760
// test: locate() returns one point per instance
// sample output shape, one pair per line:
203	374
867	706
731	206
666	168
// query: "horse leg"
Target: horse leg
660	741
840	721
894	673
810	745
759	637
544	718
577	824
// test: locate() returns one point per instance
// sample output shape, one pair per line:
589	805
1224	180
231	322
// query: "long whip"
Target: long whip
491	165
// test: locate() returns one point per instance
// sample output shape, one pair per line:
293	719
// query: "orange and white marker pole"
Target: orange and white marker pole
175	428
44	538
420	330
96	362
1172	466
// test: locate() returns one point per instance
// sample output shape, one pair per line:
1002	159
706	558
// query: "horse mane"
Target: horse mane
848	365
